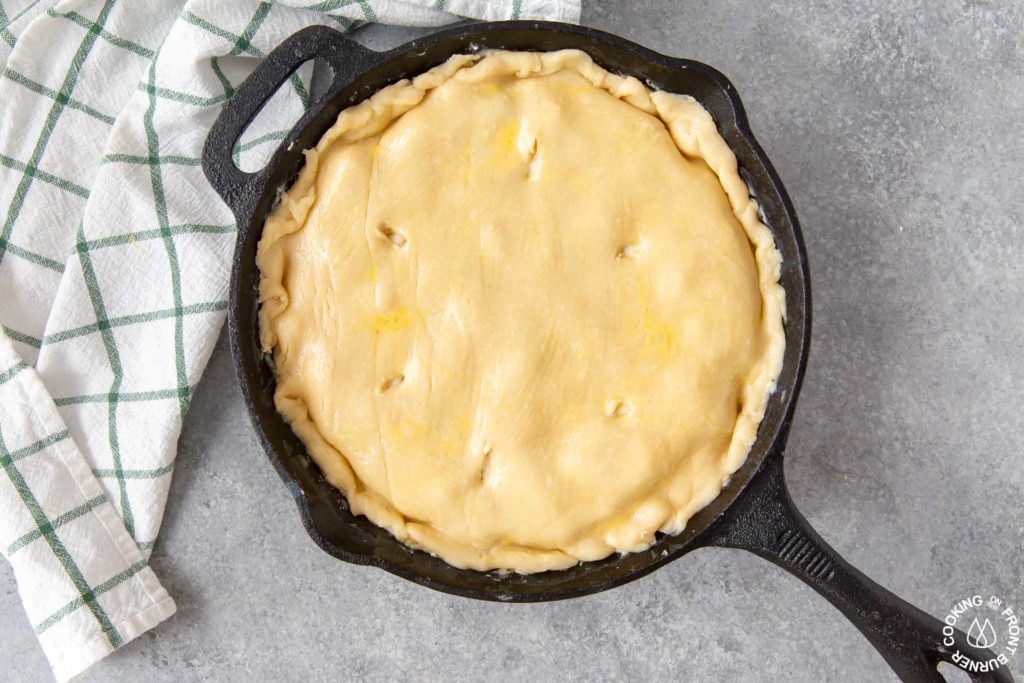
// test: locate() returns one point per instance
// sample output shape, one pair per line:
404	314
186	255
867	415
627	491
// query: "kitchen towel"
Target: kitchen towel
114	263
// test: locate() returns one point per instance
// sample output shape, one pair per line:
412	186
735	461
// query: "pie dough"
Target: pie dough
522	311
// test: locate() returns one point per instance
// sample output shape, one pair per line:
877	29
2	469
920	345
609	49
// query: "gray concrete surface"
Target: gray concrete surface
897	129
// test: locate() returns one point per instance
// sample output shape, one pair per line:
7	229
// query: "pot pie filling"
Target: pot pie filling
522	311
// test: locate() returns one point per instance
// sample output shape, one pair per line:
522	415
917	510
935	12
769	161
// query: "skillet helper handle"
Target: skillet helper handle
242	190
911	641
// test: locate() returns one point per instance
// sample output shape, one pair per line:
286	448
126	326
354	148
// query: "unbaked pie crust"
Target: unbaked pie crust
522	311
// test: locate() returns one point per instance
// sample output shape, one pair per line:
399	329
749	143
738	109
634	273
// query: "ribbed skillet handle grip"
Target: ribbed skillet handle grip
240	190
765	521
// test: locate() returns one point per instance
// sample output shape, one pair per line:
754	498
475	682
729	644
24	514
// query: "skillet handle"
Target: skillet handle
240	190
765	521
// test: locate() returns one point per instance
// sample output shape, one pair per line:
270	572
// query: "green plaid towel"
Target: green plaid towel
114	259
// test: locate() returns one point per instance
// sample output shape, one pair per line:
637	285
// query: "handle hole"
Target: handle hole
272	124
952	673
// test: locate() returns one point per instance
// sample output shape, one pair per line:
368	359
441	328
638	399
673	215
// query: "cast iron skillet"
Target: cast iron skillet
754	511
